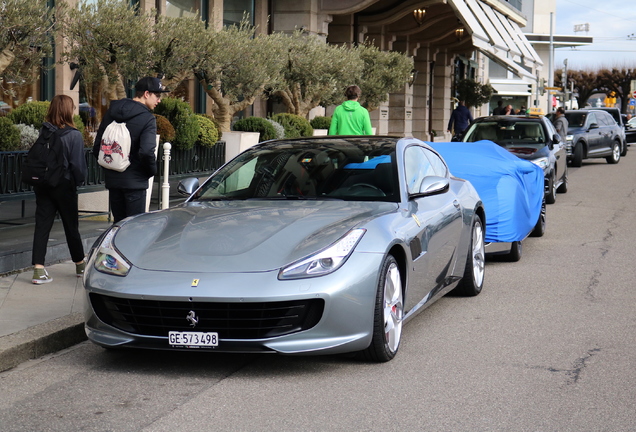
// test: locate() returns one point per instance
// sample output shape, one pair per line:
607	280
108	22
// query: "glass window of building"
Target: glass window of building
183	8
233	11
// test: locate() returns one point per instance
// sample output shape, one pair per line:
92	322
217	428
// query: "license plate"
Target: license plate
193	339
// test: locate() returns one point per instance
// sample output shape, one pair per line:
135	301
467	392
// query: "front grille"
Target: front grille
244	320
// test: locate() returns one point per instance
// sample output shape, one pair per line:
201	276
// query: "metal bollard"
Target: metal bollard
165	187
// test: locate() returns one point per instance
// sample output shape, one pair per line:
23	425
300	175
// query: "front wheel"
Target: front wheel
577	158
539	228
550	196
516	250
473	280
388	314
616	153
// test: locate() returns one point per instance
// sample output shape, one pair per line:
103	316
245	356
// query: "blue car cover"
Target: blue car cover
510	188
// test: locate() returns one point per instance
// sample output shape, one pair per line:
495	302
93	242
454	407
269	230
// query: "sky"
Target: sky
611	24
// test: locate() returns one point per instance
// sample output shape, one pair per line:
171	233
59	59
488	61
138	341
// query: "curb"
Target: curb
40	340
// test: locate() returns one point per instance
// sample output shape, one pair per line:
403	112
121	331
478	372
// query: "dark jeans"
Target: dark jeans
61	199
126	202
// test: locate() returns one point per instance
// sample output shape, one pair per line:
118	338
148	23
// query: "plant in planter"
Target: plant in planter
473	93
256	124
31	113
208	134
28	135
180	115
9	135
165	130
295	125
320	122
280	130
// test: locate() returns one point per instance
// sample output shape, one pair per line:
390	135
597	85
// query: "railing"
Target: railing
199	161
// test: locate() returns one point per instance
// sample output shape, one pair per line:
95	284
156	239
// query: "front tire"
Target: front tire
550	197
473	280
388	314
577	159
539	228
616	154
516	250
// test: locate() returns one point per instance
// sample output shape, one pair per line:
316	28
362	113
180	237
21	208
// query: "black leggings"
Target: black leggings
61	199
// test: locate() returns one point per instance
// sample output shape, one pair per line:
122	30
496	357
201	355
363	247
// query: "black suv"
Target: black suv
593	133
618	117
533	138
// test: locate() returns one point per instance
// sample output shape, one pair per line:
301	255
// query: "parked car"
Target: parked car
630	130
510	188
620	120
592	134
313	245
532	138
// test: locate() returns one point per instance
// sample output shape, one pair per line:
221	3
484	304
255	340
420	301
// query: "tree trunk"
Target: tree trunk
6	57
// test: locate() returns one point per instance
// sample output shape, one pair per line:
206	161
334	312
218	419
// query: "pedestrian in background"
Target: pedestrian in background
560	123
460	119
499	108
351	118
62	198
509	110
127	189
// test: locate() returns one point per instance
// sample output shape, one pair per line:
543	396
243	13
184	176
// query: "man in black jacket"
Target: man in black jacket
127	189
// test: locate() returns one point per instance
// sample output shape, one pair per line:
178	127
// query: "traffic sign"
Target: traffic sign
634	94
632	102
556	88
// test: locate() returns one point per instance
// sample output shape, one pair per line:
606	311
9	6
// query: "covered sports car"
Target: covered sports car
512	190
322	245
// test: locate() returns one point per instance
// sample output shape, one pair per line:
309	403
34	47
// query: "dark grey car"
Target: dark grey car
592	134
618	118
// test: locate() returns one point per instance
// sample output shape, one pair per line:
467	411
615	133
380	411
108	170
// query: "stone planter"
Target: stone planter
321	132
237	142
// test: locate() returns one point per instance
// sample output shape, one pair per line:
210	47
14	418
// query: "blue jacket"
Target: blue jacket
461	117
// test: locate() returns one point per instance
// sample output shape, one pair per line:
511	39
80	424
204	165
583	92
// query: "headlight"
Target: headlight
569	138
107	259
326	261
543	162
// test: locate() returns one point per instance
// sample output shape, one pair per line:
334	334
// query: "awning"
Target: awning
497	37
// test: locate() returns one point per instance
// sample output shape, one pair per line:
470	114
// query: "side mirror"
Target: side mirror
594	126
188	186
432	185
556	138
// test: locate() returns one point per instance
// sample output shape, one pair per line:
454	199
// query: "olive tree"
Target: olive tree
314	73
111	41
383	72
235	66
25	39
174	48
474	94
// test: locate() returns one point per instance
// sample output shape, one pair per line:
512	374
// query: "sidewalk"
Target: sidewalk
39	319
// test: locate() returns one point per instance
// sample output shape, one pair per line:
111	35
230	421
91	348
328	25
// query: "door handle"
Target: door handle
456	204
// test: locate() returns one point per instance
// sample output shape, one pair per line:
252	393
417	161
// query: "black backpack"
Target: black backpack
45	161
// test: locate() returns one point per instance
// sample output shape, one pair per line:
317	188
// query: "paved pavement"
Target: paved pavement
39	319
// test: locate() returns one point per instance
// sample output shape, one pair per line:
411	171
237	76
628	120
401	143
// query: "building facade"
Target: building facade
485	40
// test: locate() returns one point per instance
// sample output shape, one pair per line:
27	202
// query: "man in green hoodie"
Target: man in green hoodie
351	118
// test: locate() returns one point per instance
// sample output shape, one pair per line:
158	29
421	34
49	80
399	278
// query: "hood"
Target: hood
351	105
123	110
239	236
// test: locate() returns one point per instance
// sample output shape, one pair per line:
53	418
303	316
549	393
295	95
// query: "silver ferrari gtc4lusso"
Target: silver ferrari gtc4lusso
301	246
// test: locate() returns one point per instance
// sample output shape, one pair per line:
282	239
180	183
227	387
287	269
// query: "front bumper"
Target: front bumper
346	323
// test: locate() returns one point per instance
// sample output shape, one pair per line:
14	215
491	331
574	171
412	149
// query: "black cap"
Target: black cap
151	84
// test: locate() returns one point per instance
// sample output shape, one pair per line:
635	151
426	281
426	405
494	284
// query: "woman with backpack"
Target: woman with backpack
61	196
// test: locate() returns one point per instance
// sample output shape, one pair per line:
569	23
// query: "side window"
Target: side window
591	118
439	167
416	167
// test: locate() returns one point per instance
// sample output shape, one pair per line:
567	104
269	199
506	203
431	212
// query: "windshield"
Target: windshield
508	133
352	170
